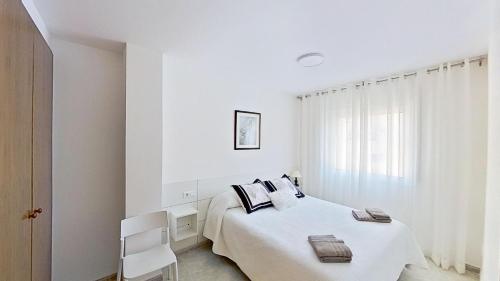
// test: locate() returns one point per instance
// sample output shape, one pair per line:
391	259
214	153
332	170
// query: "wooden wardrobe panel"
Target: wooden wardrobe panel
16	76
42	159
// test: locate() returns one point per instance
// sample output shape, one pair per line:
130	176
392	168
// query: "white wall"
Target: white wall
198	131
144	135
88	161
198	124
144	87
491	247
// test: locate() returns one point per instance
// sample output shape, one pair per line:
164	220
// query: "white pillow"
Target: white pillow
283	183
283	198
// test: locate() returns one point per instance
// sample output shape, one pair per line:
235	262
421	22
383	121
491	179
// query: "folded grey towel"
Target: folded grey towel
329	237
377	214
364	216
329	249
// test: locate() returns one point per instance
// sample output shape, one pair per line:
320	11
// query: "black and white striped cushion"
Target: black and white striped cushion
299	193
269	188
253	197
283	183
258	181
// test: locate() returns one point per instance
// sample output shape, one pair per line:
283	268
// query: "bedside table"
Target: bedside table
183	223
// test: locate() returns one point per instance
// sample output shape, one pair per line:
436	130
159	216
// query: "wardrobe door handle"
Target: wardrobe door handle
32	215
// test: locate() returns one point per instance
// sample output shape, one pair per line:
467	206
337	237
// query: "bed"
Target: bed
272	245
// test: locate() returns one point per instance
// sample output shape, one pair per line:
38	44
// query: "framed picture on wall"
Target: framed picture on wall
246	130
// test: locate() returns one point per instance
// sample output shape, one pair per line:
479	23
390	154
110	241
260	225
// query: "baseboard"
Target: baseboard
194	246
473	269
111	277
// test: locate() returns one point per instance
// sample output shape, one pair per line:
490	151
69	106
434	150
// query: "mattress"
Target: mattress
272	245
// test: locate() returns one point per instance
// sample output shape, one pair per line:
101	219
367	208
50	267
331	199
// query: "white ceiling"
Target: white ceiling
257	41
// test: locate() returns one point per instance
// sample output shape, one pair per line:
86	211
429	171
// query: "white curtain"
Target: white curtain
413	146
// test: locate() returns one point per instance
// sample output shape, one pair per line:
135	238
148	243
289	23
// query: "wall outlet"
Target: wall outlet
188	194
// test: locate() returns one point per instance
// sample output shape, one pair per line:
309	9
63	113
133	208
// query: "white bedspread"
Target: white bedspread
272	245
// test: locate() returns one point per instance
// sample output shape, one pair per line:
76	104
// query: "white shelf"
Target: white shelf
185	234
183	212
183	223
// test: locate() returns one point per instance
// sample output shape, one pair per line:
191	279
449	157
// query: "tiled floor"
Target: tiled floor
200	264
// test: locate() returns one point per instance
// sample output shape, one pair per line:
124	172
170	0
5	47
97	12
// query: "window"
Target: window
381	138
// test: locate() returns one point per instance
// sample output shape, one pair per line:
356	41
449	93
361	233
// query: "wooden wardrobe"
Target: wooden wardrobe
25	147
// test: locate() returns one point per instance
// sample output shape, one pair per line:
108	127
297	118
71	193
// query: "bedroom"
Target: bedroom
177	107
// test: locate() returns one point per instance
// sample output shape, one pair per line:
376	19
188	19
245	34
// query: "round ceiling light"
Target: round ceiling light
311	59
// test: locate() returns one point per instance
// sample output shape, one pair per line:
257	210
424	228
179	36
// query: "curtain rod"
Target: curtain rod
461	63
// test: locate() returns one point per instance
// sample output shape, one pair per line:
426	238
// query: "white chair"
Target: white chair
142	263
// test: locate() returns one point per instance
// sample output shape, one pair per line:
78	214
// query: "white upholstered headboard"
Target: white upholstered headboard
203	191
206	188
